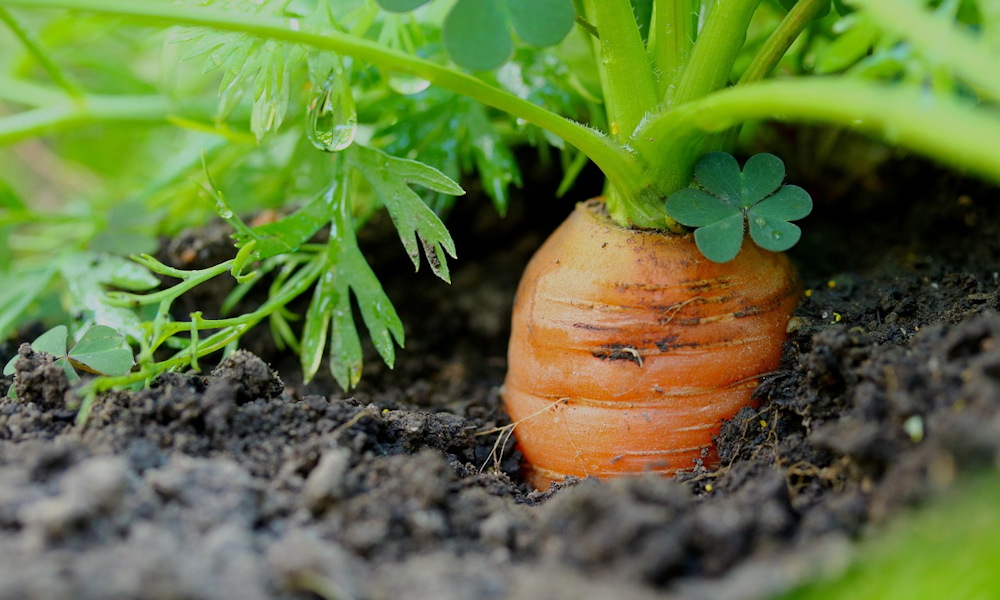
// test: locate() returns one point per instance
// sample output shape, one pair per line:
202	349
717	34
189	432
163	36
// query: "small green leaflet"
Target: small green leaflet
101	350
390	178
477	32
728	196
454	135
284	235
345	270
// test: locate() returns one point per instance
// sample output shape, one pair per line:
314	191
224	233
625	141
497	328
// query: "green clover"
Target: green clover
477	32
728	198
101	350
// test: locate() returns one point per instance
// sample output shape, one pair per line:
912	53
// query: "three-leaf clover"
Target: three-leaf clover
728	198
477	32
101	350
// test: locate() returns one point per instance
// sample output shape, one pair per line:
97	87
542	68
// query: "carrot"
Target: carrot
629	348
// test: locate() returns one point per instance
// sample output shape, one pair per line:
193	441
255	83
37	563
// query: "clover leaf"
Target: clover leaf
101	350
728	197
477	32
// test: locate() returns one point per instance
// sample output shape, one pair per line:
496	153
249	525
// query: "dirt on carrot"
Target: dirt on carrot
236	483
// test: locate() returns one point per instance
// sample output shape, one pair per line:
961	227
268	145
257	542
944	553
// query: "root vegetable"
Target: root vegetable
629	348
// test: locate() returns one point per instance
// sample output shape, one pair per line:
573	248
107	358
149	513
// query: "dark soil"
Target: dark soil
233	484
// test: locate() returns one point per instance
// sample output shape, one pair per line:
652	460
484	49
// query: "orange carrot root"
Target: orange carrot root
629	348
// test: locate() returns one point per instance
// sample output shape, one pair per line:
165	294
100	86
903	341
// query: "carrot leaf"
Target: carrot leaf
391	177
330	315
727	197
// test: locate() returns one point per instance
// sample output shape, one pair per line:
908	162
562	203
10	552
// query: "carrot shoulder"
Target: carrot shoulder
629	348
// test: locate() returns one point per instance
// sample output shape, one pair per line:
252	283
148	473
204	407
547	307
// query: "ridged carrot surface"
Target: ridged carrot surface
629	348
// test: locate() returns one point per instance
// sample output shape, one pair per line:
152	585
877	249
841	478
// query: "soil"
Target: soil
236	483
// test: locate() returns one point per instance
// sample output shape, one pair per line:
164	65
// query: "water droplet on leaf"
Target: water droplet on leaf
332	119
776	235
407	85
223	210
760	221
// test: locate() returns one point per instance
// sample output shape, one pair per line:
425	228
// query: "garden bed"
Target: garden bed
242	482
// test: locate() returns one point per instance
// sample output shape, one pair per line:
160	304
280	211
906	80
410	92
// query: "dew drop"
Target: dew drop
332	117
761	221
407	85
776	235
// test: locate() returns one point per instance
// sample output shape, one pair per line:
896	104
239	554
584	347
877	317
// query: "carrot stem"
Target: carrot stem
623	170
954	132
671	39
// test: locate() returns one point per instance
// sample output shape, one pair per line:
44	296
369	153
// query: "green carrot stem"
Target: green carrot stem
626	75
671	39
32	46
91	109
715	51
940	39
769	55
629	93
953	132
781	39
28	93
622	169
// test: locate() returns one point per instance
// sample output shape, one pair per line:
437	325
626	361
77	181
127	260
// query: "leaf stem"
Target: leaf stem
951	131
708	69
715	51
621	168
671	39
32	46
781	39
626	75
28	93
938	39
770	54
629	93
234	329
90	109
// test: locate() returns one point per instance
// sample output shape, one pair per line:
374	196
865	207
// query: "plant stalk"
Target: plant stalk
770	54
32	46
622	169
781	39
629	94
939	40
671	39
625	71
91	109
715	51
953	132
708	69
